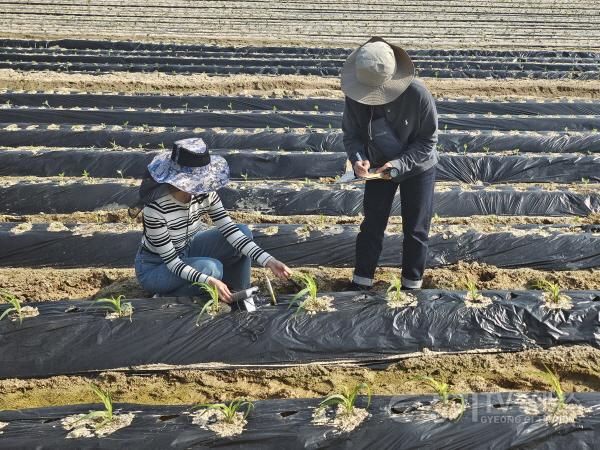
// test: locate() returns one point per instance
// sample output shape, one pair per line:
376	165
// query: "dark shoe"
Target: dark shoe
355	287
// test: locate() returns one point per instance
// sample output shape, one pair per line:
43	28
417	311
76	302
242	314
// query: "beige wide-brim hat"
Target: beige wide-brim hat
378	91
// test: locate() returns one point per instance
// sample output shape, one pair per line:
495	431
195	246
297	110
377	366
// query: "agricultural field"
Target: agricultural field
501	349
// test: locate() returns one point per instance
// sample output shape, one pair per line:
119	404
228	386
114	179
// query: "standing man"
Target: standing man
390	128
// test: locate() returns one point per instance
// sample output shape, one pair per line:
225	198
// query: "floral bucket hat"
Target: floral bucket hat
190	168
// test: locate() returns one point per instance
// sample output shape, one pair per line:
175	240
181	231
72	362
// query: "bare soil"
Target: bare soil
121	216
578	368
284	85
62	284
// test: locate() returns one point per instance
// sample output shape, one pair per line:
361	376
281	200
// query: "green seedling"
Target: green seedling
46	104
114	145
161	146
307	293
472	289
442	389
14	308
551	289
486	149
61	175
347	398
85	174
115	305
316	107
585	181
105	416
229	411
230	105
274	108
244	176
554	381
212	306
465	146
125	123
330	126
120	173
394	291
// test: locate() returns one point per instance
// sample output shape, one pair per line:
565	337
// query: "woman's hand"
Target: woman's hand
279	269
224	292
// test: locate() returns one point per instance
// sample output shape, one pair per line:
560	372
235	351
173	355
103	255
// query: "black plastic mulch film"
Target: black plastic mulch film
367	330
537	247
283	199
264	119
454	141
287	423
133	46
236	103
491	168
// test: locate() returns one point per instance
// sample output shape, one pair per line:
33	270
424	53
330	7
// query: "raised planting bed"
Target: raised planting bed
54	135
254	164
249	103
465	70
276	119
500	420
71	337
550	247
249	164
129	45
68	195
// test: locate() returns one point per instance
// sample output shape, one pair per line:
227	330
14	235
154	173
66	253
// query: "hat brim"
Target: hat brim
388	91
193	180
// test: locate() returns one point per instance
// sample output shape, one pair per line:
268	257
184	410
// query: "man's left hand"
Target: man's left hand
386	166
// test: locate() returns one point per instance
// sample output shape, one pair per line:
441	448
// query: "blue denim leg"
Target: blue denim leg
154	276
236	266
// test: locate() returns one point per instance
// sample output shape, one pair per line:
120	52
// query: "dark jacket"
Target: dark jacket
413	118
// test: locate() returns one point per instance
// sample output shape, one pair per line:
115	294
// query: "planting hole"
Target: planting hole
51	420
168	417
404	409
287	413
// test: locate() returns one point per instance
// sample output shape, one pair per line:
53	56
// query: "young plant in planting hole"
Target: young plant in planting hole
105	416
116	306
61	175
15	307
308	292
394	291
120	173
244	176
212	305
229	411
552	290
85	174
347	398
585	181
442	389
472	289
554	381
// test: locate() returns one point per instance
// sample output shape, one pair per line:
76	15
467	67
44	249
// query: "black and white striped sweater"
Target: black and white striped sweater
167	223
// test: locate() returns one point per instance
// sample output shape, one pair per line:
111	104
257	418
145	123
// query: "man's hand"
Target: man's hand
279	269
224	292
361	168
386	166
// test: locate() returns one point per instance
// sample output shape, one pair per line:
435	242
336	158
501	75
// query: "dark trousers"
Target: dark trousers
416	199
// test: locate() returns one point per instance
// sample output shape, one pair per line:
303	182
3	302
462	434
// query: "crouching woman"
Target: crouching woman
179	188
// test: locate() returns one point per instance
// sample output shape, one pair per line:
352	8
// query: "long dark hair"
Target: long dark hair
149	190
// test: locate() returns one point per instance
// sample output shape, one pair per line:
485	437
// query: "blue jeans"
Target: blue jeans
209	253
